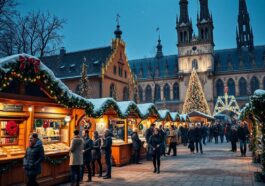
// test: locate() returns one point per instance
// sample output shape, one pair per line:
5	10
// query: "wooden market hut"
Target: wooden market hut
165	118
196	116
32	99
175	118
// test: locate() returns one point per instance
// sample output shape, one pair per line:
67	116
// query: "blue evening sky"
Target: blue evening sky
90	23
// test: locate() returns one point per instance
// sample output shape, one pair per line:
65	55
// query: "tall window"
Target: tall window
112	90
219	87
125	94
166	92
176	91
157	93
115	70
231	87
195	64
243	87
148	94
140	92
254	84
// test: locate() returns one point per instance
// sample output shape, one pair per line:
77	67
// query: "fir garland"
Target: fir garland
56	161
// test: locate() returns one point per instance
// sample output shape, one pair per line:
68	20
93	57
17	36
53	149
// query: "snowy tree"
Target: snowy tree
84	84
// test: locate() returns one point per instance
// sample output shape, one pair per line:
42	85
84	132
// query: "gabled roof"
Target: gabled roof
126	107
31	70
164	115
200	114
175	116
69	65
147	110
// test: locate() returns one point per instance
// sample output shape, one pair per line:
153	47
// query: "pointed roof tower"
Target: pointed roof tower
244	31
118	32
159	52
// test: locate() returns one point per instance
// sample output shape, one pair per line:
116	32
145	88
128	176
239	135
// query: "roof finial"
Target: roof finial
118	32
159	52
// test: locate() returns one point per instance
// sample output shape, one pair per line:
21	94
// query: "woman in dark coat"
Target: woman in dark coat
233	139
87	155
33	158
96	154
136	142
155	143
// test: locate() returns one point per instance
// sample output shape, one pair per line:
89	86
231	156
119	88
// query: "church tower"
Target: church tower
184	24
205	23
244	33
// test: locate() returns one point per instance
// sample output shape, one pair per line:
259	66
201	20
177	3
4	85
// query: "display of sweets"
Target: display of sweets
2	153
14	150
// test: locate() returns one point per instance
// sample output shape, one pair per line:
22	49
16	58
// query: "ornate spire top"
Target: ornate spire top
204	11
118	32
159	52
244	30
184	13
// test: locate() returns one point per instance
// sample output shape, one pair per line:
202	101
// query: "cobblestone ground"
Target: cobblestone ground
217	166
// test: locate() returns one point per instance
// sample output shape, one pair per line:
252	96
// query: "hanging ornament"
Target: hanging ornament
12	128
45	124
38	123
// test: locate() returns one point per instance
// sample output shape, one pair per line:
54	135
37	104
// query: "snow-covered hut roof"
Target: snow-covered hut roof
147	109
164	114
175	116
126	107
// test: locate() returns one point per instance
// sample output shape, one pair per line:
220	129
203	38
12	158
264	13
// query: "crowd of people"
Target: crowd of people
86	152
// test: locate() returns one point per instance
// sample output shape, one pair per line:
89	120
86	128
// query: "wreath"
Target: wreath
141	126
11	128
38	123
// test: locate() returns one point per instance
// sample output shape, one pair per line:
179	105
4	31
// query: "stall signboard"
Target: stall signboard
13	108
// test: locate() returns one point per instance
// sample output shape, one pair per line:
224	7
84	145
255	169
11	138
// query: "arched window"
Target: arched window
264	83
206	33
166	92
185	36
112	92
231	87
157	93
125	94
243	87
181	36
176	91
140	92
254	84
195	64
219	87
202	34
148	94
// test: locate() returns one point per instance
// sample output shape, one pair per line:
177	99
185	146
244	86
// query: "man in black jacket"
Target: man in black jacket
136	142
148	134
242	134
87	155
198	137
107	143
32	161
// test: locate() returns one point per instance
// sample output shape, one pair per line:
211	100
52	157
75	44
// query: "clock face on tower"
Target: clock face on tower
85	122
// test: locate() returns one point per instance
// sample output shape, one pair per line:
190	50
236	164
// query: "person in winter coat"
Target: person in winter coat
164	138
107	143
32	159
242	133
221	132
204	133
233	138
87	155
215	133
184	135
198	137
155	143
76	157
172	141
148	134
96	154
191	138
136	142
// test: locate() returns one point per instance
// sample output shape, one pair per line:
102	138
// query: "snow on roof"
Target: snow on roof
183	117
259	92
101	103
7	61
145	108
200	114
125	106
164	113
174	115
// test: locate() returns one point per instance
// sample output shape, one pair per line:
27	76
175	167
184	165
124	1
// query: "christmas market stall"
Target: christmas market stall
255	112
175	118
196	116
32	99
149	115
165	118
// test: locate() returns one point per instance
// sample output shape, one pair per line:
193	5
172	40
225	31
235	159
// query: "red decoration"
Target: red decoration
26	60
11	128
46	124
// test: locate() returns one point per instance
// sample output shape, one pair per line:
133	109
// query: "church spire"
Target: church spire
204	11
159	52
244	30
184	24
118	32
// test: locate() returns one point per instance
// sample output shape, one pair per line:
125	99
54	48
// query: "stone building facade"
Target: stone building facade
164	79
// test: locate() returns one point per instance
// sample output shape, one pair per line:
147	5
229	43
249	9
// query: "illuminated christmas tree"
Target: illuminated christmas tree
195	99
84	83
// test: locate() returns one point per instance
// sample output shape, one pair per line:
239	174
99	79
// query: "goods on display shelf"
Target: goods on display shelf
8	133
11	151
57	147
49	130
117	127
